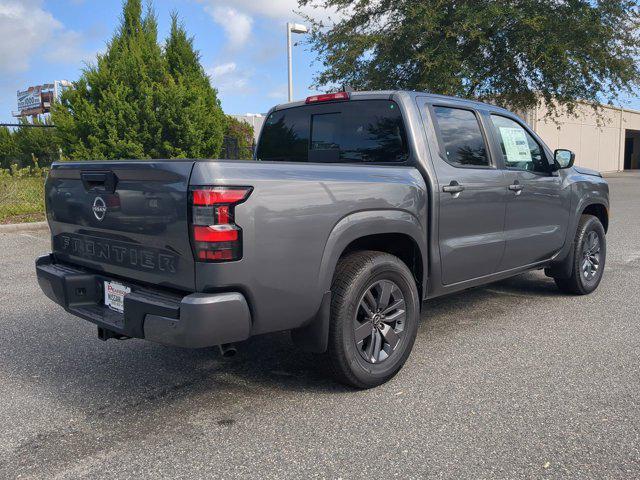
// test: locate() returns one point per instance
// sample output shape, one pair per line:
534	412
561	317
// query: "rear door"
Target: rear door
472	194
126	219
538	201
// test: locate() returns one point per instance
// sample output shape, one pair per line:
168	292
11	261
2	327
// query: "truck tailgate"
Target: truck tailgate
127	219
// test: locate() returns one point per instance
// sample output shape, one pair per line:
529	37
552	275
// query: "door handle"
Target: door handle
104	181
453	188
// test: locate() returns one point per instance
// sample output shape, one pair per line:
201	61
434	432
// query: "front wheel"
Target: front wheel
590	252
375	310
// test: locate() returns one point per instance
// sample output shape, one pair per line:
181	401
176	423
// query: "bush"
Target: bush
21	196
28	147
8	149
37	145
238	137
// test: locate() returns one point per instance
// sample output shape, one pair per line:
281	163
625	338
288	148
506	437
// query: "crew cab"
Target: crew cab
358	209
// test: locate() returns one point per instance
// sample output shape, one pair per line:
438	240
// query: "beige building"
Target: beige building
608	144
255	120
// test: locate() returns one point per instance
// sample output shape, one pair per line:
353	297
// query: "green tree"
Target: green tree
193	122
513	52
37	144
139	101
25	144
111	111
8	149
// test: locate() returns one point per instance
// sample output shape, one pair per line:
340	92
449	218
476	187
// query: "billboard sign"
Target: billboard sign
37	100
29	99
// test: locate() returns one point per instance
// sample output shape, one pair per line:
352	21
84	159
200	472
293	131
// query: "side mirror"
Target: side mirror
564	158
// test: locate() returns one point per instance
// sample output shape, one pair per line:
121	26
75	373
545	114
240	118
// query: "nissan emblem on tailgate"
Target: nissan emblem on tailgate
99	208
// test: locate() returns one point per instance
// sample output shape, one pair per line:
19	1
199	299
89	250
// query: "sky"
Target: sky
242	44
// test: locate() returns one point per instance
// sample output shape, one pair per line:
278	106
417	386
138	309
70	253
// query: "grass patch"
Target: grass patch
21	199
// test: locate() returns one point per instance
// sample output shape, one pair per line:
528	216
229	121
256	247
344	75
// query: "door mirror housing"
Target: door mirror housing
564	158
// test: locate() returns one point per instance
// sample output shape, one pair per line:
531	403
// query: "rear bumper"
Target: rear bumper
194	321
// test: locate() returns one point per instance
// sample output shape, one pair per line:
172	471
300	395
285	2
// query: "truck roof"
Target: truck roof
377	94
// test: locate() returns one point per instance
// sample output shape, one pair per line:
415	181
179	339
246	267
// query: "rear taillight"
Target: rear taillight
214	234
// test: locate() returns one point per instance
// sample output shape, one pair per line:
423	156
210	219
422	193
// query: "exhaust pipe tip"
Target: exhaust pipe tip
228	350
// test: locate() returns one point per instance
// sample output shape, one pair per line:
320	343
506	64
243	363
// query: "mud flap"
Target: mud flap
314	337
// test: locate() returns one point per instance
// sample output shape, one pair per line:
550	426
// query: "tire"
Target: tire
359	277
584	280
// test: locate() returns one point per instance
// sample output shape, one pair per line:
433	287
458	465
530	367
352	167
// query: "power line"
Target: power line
28	125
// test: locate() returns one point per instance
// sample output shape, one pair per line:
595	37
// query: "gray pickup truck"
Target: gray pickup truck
358	209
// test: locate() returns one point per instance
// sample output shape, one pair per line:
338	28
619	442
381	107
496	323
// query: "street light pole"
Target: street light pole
292	28
289	61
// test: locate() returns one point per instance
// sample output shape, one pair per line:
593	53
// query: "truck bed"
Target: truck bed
287	222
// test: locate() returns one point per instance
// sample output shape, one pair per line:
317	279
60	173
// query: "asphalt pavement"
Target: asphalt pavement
513	380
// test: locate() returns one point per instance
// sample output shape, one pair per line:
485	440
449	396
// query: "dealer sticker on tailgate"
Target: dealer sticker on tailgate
114	295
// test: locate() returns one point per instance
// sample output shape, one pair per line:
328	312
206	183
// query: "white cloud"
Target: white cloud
236	16
228	78
68	48
234	74
222	70
236	25
276	9
26	29
272	8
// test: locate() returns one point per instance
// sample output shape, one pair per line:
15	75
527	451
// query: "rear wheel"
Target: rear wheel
374	318
590	251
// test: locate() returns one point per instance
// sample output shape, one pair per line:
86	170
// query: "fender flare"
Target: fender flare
559	266
314	336
366	223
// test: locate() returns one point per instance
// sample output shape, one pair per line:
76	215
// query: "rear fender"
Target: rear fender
314	336
362	224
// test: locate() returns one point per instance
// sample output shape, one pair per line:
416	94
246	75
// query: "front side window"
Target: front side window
519	150
462	138
358	131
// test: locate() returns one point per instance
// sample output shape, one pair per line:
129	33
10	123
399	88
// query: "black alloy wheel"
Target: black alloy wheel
379	321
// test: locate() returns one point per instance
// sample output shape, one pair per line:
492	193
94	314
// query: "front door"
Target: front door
472	195
628	152
538	201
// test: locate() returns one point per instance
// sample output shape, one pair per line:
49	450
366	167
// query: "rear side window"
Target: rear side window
285	136
365	131
462	138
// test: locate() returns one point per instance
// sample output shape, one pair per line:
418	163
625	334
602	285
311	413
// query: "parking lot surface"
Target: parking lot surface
513	380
